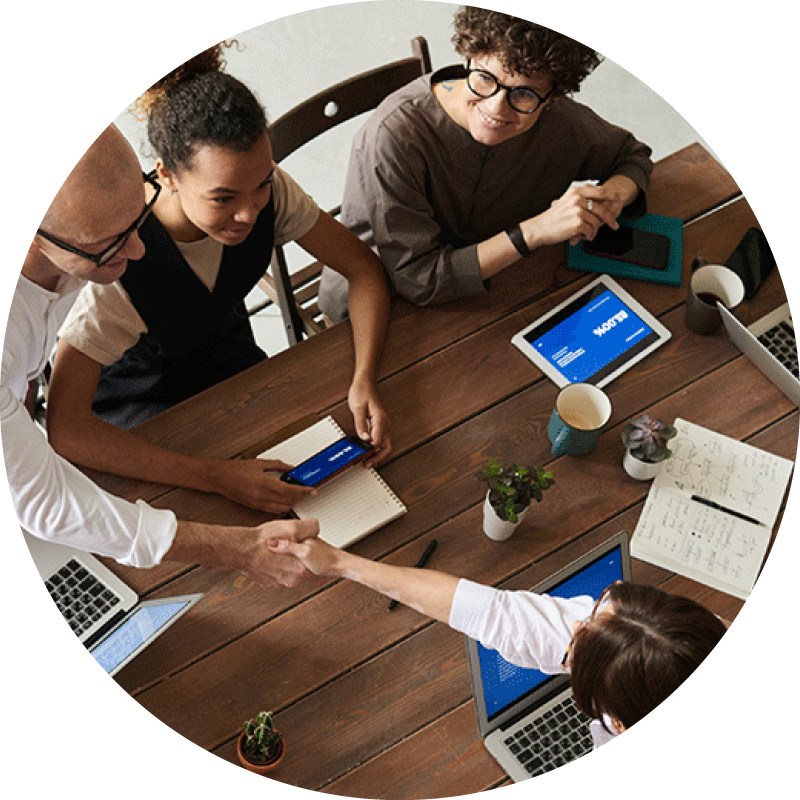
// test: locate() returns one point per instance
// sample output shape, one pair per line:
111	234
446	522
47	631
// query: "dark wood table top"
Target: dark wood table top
361	693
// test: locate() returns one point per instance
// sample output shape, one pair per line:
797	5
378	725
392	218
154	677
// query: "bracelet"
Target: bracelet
518	240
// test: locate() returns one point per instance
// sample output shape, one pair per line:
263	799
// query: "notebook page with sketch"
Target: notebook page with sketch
353	504
710	511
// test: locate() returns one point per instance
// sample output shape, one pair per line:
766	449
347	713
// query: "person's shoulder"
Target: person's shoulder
569	109
404	110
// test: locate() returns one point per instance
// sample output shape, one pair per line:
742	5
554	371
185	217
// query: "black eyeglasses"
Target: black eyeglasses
106	255
520	98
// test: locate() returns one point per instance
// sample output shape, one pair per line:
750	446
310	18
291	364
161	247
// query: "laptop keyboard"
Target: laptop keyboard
81	597
780	341
559	736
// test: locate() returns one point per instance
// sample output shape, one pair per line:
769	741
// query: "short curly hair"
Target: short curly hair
523	47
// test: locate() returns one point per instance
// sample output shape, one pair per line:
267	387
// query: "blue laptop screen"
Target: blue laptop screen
142	625
589	337
504	683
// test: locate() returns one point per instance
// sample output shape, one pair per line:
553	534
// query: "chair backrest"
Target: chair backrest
296	294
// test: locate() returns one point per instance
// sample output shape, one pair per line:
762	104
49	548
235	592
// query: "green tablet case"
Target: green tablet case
671	227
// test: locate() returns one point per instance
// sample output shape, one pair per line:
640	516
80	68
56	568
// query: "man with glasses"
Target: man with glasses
463	172
89	233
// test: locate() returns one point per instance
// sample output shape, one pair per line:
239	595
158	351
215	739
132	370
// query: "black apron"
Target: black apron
195	337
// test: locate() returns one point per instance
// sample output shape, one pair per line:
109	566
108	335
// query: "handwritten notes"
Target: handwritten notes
722	546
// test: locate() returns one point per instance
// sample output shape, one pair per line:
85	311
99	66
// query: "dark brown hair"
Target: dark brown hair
523	47
197	104
626	663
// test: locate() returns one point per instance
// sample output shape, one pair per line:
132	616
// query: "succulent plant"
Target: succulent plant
646	439
511	489
261	741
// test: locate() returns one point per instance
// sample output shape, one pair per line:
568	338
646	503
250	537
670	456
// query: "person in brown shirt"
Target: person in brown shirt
462	172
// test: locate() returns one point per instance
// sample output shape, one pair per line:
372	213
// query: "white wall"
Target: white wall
744	108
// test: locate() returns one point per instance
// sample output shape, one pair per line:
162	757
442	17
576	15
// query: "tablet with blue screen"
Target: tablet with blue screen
593	336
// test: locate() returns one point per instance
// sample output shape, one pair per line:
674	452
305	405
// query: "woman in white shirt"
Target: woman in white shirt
626	653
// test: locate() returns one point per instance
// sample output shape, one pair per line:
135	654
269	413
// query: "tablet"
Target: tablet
593	336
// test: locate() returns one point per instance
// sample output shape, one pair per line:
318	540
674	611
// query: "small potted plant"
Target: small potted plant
645	440
511	490
260	746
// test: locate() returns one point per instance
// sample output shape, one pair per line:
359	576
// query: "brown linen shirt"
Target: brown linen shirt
423	193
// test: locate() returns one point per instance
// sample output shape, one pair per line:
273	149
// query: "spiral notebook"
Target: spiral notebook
352	505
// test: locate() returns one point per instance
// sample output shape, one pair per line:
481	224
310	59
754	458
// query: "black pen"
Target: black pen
423	560
718	507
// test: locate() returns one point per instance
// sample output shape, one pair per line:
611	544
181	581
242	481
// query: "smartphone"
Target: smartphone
329	462
645	248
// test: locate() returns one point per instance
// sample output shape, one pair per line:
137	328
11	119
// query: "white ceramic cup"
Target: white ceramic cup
711	283
577	420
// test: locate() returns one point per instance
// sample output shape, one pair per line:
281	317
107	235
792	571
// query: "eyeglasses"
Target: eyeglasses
99	259
597	606
520	98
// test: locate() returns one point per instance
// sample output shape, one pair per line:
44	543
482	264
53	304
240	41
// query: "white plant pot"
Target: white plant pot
640	470
495	528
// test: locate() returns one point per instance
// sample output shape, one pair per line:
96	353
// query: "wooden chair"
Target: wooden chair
296	294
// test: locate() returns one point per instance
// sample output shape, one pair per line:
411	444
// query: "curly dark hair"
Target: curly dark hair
628	663
523	47
198	104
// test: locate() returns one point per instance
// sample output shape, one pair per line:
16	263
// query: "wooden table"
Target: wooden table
359	692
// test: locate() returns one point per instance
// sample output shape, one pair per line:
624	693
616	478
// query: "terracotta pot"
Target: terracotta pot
641	470
260	769
495	528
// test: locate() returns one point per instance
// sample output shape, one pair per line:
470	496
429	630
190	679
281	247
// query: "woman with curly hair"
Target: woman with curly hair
175	322
462	172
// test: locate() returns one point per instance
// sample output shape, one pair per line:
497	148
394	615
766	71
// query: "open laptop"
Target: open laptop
770	344
527	719
102	610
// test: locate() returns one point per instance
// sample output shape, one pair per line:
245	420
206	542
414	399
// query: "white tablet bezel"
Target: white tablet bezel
552	372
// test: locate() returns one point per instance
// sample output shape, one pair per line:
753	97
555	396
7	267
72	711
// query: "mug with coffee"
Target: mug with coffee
709	284
578	418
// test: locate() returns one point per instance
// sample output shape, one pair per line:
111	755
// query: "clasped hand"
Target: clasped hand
577	215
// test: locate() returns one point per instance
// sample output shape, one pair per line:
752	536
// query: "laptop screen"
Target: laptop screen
144	624
505	684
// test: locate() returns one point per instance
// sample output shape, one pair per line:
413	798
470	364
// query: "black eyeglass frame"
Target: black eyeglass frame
99	259
508	89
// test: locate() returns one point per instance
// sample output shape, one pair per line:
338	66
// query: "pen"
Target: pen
423	560
718	507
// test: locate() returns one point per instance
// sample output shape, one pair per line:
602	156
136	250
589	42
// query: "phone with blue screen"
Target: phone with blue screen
329	463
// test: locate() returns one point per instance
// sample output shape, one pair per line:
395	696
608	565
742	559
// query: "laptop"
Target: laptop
527	719
104	612
770	344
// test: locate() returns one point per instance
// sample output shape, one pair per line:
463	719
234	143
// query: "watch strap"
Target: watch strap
518	240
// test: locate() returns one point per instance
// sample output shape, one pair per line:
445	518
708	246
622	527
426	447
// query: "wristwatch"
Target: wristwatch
518	240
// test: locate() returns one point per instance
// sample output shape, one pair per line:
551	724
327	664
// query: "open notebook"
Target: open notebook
352	505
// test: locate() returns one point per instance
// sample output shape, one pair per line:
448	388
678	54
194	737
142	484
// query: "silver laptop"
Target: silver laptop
527	719
104	613
770	344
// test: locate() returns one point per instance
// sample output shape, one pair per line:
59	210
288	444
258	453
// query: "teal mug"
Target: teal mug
577	420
